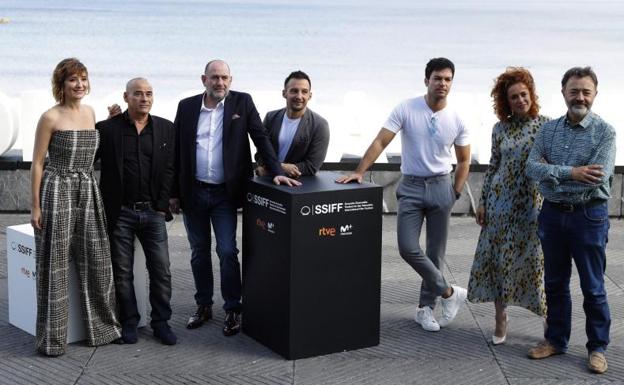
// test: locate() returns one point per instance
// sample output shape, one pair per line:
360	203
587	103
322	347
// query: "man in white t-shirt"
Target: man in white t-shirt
299	135
429	128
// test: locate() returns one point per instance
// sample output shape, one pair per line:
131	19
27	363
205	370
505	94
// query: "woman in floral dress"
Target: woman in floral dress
508	266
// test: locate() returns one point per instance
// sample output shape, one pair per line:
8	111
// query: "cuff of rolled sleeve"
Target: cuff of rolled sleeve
565	172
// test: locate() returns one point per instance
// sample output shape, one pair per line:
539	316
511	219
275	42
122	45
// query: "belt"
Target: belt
139	206
425	178
570	208
208	185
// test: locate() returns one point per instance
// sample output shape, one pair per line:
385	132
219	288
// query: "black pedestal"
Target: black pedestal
312	265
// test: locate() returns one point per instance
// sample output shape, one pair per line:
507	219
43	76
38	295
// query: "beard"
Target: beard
579	109
297	107
217	96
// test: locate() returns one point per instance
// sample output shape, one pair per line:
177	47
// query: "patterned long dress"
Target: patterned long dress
508	265
73	231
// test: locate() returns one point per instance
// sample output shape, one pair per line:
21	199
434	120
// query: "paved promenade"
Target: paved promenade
459	354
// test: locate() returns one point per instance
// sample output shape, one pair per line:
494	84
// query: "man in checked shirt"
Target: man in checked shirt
572	159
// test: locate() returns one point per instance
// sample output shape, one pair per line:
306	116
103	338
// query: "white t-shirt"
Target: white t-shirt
426	136
286	136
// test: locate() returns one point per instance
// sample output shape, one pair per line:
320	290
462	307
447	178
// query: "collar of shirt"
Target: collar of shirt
584	123
126	116
218	106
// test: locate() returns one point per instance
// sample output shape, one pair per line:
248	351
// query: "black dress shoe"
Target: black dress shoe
118	341
165	334
231	324
202	314
129	334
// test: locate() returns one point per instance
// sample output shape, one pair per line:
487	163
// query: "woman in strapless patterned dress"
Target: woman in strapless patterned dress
68	217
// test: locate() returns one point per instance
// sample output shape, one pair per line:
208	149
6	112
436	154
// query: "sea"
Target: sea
363	57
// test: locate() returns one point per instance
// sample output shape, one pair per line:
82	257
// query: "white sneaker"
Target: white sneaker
451	305
424	317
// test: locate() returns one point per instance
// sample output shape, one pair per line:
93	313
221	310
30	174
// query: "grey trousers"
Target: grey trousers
425	199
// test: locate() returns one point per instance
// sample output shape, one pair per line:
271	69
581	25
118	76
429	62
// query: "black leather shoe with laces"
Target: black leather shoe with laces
231	324
202	314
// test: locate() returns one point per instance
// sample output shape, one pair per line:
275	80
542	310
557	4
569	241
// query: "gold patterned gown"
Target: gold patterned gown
508	265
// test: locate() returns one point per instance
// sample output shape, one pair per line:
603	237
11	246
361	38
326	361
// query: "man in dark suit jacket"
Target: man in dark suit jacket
137	165
299	135
213	164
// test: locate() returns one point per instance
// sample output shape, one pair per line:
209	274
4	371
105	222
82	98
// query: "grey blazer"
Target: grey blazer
309	146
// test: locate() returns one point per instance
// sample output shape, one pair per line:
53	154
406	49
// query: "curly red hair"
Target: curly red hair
511	76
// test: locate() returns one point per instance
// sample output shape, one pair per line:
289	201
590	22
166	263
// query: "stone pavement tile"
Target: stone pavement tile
15	342
597	380
20	364
526	328
239	355
435	371
401	336
615	296
616	274
400	290
34	371
18	343
392	261
523	326
529	330
200	378
182	278
570	366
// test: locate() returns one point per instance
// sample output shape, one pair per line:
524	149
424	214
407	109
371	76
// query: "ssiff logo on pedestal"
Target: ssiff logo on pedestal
21	248
266	203
335	207
320	209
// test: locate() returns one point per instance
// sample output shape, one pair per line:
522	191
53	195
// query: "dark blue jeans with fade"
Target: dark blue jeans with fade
579	235
212	205
149	227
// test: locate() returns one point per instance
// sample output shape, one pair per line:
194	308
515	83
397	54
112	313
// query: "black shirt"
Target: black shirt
137	161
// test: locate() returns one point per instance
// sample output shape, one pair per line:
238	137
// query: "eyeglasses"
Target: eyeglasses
434	125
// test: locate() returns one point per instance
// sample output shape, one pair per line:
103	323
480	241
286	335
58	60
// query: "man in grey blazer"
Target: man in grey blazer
299	135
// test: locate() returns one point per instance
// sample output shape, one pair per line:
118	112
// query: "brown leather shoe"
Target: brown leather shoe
597	362
543	350
202	314
231	324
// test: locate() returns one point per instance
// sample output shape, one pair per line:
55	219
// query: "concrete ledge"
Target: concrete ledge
15	185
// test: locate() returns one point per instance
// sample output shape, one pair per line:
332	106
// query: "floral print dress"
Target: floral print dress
508	265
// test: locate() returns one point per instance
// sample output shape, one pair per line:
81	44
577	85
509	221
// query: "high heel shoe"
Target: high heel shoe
500	340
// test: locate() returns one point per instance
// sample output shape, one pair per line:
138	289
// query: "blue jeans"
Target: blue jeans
581	236
149	227
213	205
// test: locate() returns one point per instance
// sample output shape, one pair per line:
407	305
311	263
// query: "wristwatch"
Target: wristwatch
457	195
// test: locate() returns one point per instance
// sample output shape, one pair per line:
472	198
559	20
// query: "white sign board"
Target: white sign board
22	279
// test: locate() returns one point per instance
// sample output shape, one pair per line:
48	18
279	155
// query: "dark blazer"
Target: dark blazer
240	121
110	153
309	145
